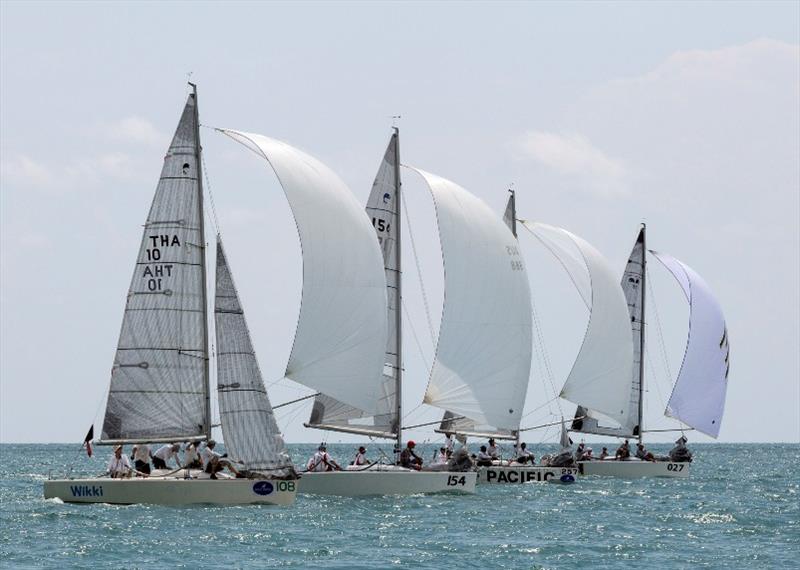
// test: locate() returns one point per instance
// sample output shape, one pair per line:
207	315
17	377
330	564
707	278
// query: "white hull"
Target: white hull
634	468
171	491
386	482
504	474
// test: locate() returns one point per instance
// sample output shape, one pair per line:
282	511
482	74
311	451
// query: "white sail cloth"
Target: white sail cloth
158	383
251	434
483	355
383	208
341	332
600	378
698	398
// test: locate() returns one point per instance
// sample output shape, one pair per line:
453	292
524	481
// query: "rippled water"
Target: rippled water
739	508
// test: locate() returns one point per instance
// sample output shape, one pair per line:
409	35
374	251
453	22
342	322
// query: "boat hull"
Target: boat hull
368	482
172	491
511	475
634	469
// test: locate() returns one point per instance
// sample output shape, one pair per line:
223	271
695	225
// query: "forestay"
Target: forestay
159	385
383	211
601	375
483	354
341	331
251	434
698	398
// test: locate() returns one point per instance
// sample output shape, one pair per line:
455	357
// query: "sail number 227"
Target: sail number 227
454	480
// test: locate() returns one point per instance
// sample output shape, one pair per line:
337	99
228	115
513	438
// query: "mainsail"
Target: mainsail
698	398
483	355
252	437
383	209
159	380
341	333
633	287
601	375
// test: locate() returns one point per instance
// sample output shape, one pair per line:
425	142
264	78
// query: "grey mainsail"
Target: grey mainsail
251	434
633	286
383	210
159	380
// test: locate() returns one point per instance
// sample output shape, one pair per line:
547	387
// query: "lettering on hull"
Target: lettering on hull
526	475
86	490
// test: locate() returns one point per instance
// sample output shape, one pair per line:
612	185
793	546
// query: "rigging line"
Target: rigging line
540	407
544	354
662	344
410	324
214	219
419	271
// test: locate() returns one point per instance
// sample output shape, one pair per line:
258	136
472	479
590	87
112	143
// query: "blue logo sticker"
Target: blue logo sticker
567	478
263	488
386	198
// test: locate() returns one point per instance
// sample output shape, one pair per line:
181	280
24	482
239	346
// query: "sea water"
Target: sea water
740	508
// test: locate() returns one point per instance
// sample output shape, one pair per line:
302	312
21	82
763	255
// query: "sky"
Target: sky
682	115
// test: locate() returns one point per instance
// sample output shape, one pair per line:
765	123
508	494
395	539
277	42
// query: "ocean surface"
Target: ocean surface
739	509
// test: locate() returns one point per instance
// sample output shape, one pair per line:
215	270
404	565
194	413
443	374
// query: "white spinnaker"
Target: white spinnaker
600	378
341	332
158	382
252	437
483	355
698	398
383	209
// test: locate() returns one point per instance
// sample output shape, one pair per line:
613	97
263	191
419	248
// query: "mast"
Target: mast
398	309
641	334
513	204
206	363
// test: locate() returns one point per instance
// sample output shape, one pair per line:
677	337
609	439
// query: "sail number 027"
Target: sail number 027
454	480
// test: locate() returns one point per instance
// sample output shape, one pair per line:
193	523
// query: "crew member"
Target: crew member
119	466
321	461
483	458
493	450
409	459
164	453
141	458
361	457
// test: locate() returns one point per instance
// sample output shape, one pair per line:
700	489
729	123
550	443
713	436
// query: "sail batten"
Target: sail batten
342	328
698	397
601	374
157	391
251	434
483	354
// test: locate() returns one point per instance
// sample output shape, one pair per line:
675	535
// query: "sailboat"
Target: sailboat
341	406
160	383
467	423
698	395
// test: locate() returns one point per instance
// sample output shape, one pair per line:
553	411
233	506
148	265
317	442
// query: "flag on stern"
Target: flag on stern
87	441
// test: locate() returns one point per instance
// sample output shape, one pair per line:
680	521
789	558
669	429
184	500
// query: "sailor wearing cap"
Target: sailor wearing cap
409	459
164	453
361	457
119	465
321	461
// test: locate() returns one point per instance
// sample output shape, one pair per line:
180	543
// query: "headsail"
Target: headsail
466	427
633	286
601	375
252	437
159	382
383	207
341	332
698	398
483	355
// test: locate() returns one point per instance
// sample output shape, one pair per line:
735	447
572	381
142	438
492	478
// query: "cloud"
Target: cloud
137	130
26	171
575	156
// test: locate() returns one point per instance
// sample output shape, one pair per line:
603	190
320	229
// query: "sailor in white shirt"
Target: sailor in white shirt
361	457
440	458
164	453
493	450
208	455
191	455
119	466
483	458
523	455
321	461
449	443
141	458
